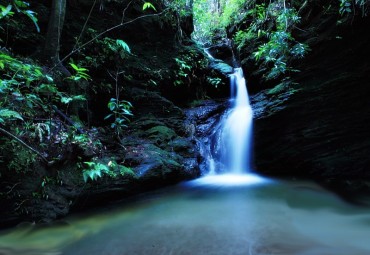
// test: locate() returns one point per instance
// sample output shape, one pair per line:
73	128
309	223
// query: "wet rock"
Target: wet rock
160	134
221	67
319	131
223	51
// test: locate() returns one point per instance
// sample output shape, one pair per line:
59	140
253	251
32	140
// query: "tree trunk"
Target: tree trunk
55	26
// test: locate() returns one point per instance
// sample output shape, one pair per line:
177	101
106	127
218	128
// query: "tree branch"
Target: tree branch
106	31
24	144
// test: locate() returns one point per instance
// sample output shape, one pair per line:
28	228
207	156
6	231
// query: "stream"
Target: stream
211	215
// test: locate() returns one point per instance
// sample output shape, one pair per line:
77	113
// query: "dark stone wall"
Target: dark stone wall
322	130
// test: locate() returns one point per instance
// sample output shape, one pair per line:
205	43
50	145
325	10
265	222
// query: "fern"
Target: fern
95	171
112	169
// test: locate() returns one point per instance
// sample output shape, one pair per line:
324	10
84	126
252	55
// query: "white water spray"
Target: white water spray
237	128
229	153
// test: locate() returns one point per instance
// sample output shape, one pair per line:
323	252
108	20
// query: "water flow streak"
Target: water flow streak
237	128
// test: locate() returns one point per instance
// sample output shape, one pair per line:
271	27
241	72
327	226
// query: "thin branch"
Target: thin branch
124	11
24	144
104	32
83	28
67	119
11	189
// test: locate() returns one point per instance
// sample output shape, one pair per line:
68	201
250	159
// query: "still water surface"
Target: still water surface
209	216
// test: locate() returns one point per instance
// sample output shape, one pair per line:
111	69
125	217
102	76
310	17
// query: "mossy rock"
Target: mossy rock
161	133
221	67
285	86
153	161
149	123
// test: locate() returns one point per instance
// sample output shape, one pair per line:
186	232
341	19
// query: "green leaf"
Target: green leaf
49	78
108	116
5	10
47	88
89	163
66	100
85	176
127	112
31	15
21	4
74	66
124	45
79	98
148	5
9	114
112	106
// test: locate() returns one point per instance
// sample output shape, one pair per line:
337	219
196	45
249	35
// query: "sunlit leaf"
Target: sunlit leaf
66	100
21	4
32	16
124	45
5	10
148	5
9	114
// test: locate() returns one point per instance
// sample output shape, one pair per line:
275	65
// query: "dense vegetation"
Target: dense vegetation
67	77
267	31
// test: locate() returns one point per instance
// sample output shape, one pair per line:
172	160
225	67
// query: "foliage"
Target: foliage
214	81
20	7
96	170
187	65
6	114
345	6
349	7
26	90
22	159
265	28
81	73
270	30
27	96
148	5
184	69
23	89
120	109
102	52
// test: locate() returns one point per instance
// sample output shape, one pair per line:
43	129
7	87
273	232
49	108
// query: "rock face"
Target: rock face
205	119
321	131
159	145
156	146
317	125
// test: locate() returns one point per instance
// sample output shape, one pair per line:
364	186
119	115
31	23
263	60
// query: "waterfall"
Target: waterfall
229	154
227	149
236	128
230	149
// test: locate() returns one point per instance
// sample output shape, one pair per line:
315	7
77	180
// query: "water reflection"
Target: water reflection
268	217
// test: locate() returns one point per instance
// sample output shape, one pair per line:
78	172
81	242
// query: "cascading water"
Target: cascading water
236	129
229	152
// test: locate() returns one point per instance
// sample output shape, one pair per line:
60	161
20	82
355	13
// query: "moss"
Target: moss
285	86
162	133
